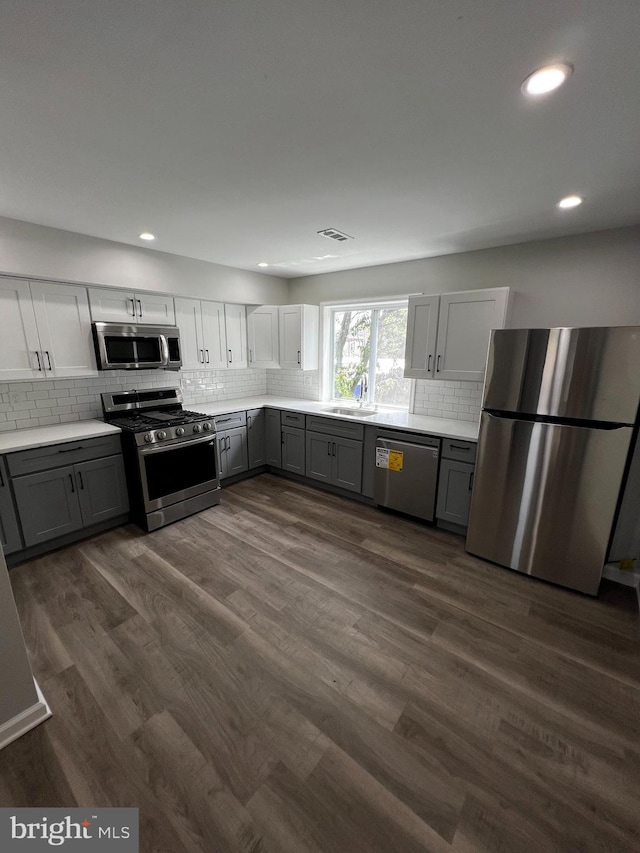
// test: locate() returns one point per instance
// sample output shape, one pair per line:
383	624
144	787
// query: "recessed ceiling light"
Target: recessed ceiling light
147	235
546	79
570	201
263	264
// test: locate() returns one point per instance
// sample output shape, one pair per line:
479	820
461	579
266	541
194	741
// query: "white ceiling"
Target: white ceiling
236	129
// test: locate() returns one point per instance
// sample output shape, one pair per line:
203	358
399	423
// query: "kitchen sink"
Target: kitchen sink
353	413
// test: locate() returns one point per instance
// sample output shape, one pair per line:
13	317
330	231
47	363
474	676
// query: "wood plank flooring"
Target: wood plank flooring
292	672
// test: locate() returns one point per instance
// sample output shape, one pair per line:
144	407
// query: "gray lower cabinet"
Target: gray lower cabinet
369	460
347	458
293	449
48	504
273	438
102	489
454	492
256	443
319	462
334	460
232	452
10	539
55	500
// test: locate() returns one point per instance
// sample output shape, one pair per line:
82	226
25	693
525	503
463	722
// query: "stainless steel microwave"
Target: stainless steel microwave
135	347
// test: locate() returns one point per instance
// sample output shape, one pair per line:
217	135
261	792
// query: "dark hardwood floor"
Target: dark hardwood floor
293	672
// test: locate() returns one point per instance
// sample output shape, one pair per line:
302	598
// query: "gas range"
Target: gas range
171	455
155	416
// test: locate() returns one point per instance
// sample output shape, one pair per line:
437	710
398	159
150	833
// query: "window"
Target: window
367	353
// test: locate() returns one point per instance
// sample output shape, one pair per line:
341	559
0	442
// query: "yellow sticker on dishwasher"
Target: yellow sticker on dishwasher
396	460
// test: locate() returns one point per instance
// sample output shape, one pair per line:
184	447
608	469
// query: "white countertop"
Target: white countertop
25	439
444	427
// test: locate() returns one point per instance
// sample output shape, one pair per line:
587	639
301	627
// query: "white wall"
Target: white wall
41	252
18	691
589	279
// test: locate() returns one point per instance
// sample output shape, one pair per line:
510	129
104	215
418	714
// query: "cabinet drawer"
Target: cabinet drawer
333	426
57	455
462	451
230	421
293	419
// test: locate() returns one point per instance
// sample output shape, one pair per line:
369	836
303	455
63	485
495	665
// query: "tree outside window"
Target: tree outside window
368	354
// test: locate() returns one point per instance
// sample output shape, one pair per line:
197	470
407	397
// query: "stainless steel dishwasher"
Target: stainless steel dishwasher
406	473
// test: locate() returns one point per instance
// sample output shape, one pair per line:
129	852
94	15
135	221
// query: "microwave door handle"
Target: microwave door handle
164	344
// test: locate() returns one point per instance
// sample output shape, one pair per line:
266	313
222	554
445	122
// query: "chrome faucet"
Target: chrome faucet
364	389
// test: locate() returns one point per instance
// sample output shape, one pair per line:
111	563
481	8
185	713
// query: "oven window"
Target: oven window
121	350
192	464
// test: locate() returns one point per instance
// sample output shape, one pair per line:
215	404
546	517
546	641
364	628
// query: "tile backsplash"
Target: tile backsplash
304	384
53	401
443	398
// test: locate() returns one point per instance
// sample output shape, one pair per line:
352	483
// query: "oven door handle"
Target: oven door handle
164	448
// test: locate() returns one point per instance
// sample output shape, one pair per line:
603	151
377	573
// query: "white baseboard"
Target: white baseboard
26	720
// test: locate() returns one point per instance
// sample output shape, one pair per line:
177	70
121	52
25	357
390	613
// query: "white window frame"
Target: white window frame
328	343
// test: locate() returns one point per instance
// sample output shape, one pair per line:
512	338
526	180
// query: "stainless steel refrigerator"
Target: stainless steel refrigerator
559	420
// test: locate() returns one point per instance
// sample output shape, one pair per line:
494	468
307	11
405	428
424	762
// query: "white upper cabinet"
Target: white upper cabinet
19	342
189	321
215	336
212	335
299	327
448	335
422	331
122	306
465	321
155	309
64	328
235	322
45	331
262	334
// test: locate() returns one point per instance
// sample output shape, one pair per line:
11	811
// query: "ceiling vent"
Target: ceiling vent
334	234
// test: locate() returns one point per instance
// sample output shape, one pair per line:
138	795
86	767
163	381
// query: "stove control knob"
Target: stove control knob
197	427
148	437
180	431
161	435
206	426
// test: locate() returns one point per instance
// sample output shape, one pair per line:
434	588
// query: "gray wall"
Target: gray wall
41	252
18	692
589	279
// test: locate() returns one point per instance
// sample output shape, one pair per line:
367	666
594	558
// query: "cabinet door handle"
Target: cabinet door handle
471	480
139	301
328	448
39	362
81	481
228	442
251	356
438	365
46	352
1	480
248	421
299	357
201	359
334	448
459	447
73	488
207	355
133	308
429	363
70	449
230	356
